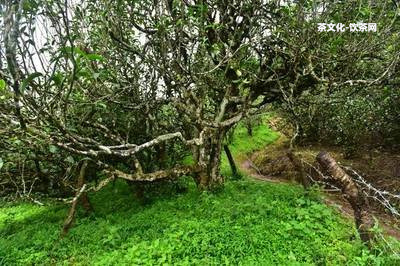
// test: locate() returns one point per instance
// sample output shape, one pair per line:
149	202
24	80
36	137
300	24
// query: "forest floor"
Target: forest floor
332	198
248	222
271	164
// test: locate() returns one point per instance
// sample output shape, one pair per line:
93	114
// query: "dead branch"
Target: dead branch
157	175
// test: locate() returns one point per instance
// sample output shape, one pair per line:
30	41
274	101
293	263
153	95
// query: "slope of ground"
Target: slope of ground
272	164
249	222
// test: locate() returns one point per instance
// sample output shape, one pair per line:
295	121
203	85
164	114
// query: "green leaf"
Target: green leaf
95	57
57	78
79	51
84	73
365	11
28	80
1	163
96	75
70	159
101	105
179	22
2	84
53	149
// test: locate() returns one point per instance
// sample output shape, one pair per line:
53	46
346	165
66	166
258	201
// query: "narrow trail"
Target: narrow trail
334	200
251	170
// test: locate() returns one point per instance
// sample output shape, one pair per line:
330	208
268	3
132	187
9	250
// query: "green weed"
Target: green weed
246	223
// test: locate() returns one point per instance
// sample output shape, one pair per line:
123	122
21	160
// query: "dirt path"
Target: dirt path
250	169
335	200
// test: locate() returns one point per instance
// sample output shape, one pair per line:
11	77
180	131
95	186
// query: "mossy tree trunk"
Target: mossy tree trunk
209	161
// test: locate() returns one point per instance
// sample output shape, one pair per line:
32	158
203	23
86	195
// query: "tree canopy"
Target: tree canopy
135	86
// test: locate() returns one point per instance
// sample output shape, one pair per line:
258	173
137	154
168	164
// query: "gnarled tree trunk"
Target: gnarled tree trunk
209	160
351	192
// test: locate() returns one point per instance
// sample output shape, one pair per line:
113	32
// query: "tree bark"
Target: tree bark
84	199
154	176
11	28
80	192
249	127
298	166
231	161
11	34
351	192
209	161
45	180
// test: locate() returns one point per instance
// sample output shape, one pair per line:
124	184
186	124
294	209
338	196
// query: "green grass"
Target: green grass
246	223
242	143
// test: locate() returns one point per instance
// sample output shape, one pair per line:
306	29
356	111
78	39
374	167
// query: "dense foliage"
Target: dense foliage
364	110
102	98
133	86
366	119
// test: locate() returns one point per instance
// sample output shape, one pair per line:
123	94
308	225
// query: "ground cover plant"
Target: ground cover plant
135	131
248	222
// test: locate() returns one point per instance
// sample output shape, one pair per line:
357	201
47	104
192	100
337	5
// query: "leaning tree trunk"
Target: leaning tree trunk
249	127
80	196
351	192
231	161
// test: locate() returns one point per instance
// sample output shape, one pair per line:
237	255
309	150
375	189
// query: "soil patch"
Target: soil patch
380	168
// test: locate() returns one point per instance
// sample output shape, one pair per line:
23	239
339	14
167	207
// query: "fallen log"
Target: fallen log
351	192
